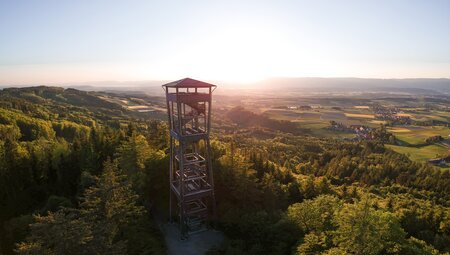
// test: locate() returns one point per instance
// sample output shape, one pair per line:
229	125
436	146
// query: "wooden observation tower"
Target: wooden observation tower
191	175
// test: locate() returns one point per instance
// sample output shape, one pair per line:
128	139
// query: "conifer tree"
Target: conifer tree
97	227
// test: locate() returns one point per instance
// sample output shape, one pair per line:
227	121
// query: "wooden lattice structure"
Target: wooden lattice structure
191	175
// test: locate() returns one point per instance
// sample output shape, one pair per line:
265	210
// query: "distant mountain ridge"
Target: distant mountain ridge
410	85
69	96
419	84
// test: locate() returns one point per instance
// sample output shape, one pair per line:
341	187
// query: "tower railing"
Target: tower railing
191	177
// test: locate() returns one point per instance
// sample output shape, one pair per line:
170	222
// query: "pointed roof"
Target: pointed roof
188	83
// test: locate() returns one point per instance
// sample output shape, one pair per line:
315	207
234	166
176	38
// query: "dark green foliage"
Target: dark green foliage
107	219
13	231
277	193
284	167
144	238
434	139
54	203
247	118
53	143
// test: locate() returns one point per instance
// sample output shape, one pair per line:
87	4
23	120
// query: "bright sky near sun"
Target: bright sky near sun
88	40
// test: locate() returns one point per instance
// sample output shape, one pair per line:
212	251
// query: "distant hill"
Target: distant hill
419	86
246	118
78	104
42	94
360	84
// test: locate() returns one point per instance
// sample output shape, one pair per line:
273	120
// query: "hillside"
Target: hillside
81	172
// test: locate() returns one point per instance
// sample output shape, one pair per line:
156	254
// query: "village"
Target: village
362	132
391	114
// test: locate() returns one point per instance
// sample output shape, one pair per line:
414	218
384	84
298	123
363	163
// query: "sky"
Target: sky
59	41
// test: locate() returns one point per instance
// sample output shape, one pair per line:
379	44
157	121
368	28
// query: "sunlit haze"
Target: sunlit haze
48	42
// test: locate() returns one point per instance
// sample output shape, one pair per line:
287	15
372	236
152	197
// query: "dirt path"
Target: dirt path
196	244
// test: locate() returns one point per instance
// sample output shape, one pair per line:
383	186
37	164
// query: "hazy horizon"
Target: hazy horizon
158	82
278	85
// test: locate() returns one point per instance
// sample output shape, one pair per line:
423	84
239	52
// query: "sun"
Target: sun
241	53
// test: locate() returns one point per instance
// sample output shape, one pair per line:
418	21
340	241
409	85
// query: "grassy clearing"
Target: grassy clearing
421	154
137	107
362	116
324	132
378	122
396	130
416	135
443	114
428	116
318	120
313	124
404	115
361	113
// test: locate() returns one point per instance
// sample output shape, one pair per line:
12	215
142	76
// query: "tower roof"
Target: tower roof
188	83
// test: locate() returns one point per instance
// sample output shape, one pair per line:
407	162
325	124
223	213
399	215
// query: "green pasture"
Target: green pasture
416	135
328	133
348	116
318	120
420	114
421	154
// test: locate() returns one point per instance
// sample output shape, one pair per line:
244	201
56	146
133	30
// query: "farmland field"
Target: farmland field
317	115
356	115
415	135
421	154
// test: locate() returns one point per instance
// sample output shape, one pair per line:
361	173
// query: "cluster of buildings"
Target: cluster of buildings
302	107
439	161
362	132
390	114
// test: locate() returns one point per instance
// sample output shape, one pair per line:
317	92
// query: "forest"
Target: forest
80	174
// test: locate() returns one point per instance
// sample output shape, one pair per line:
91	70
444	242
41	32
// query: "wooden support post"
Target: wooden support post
191	183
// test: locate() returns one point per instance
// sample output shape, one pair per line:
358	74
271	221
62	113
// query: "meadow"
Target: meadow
316	115
416	135
421	154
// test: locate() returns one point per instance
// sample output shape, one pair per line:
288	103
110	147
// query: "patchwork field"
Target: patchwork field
315	114
422	154
421	114
417	149
415	135
320	118
378	122
356	115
